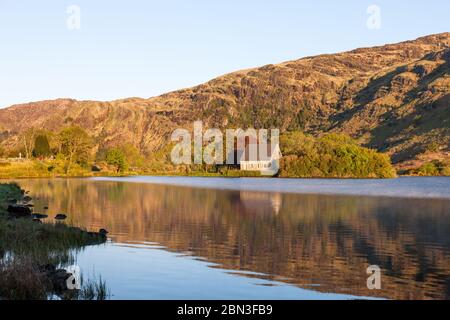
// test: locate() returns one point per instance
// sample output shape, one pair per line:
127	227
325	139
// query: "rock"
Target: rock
47	268
27	199
39	216
60	216
59	279
19	211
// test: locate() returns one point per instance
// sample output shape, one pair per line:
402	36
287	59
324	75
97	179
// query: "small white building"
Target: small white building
251	160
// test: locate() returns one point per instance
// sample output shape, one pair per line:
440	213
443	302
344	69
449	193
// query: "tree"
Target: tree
132	155
75	145
116	157
41	146
27	139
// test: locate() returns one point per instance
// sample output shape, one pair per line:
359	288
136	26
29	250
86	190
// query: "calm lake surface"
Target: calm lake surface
214	238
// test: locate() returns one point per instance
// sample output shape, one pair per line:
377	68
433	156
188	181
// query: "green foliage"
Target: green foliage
332	156
433	168
75	146
116	157
132	155
41	146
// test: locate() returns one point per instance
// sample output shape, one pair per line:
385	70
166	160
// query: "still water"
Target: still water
213	238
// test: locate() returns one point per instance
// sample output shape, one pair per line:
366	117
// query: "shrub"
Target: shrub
116	157
433	168
41	147
332	156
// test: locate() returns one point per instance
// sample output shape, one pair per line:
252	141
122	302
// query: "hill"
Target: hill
394	98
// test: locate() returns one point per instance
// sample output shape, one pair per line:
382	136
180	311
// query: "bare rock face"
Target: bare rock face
394	98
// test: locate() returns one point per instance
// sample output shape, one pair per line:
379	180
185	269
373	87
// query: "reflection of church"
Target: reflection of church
261	202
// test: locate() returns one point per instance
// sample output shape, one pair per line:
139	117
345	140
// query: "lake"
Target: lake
222	238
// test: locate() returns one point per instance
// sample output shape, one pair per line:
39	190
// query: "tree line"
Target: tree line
73	146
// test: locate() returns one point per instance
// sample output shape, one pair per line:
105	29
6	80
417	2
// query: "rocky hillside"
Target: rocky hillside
395	98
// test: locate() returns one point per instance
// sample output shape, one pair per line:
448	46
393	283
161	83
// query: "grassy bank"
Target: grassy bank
29	249
341	161
53	169
42	169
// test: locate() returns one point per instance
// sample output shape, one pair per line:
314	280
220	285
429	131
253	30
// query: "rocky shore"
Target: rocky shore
33	253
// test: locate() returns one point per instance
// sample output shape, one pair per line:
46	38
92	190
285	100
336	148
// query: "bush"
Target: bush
41	147
116	157
433	168
332	156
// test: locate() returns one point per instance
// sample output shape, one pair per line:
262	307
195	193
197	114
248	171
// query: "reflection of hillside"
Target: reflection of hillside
308	239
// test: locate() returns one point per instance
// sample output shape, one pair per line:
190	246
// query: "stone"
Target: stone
60	216
39	216
19	210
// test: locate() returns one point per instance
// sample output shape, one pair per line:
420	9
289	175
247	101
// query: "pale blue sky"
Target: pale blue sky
145	48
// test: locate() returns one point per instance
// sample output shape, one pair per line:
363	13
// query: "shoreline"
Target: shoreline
33	254
208	175
402	187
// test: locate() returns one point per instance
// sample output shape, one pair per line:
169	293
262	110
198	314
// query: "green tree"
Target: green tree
41	146
74	145
116	157
132	155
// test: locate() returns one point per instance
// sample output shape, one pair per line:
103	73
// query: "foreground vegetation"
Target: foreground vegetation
30	251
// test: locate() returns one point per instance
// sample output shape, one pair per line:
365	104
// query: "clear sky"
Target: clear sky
144	48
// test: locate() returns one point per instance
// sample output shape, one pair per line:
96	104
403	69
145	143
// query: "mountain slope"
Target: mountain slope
395	98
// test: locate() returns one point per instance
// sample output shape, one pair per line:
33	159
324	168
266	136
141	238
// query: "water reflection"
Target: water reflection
319	242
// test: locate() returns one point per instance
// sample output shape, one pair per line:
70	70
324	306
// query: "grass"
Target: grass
40	169
26	246
93	290
20	279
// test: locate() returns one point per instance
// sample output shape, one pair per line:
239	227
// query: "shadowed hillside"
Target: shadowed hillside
394	98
